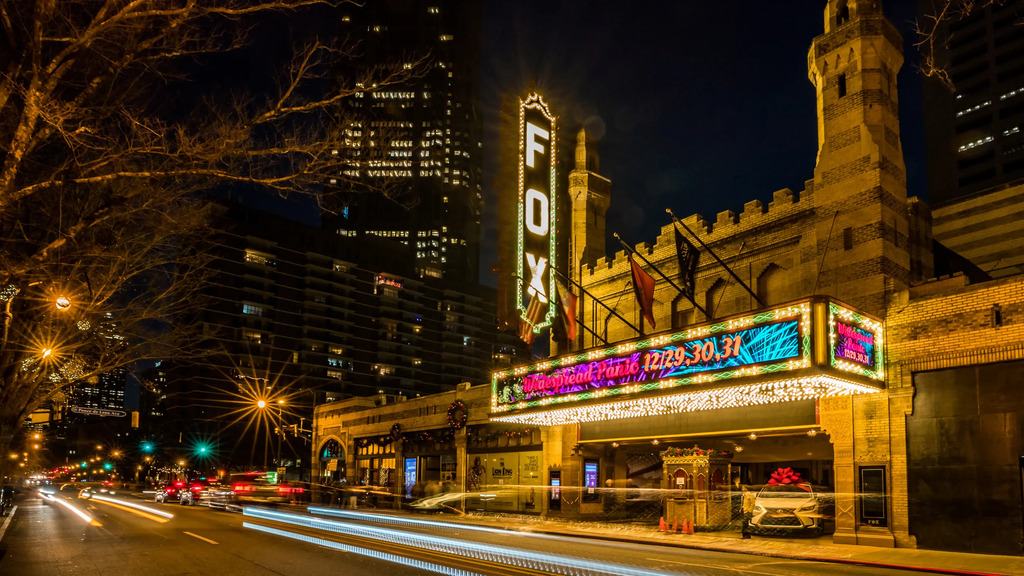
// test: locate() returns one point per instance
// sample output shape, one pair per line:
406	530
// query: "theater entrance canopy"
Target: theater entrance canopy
811	348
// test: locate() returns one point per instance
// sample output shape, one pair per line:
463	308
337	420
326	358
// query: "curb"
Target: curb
767	554
7	521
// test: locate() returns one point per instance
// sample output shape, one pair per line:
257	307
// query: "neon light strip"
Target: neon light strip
92	521
498	554
732	397
393	558
153	511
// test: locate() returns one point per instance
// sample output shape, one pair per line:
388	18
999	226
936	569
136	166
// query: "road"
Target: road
49	538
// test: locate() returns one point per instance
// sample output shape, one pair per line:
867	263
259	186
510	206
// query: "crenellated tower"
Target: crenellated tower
859	187
590	194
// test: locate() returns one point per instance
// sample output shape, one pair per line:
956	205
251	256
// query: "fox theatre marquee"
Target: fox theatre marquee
807	349
536	227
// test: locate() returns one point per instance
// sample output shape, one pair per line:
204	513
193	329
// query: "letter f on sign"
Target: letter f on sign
532	132
537	277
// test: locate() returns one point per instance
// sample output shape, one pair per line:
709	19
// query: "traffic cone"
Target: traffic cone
689	527
662	526
675	525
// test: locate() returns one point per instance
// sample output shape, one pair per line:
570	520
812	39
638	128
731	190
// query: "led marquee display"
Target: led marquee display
745	347
796	351
855	342
536	228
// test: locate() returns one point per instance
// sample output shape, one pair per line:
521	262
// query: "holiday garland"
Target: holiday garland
671	452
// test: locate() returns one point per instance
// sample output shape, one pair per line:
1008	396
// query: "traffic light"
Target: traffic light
107	466
147	447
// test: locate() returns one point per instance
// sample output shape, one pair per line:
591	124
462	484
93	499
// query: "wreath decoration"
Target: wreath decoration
457	415
396	432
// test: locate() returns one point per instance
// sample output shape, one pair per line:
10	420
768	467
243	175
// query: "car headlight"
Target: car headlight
807	507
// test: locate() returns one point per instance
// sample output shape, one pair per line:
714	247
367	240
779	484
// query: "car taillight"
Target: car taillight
242	488
197	488
284	489
169	490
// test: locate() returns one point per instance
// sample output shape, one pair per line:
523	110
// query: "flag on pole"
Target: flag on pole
688	258
534	312
643	289
567	301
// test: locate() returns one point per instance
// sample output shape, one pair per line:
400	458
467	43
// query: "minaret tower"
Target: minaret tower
860	189
590	194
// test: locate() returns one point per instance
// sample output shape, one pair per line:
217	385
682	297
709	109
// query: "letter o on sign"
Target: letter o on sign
536	212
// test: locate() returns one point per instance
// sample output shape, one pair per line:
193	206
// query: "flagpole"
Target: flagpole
667	279
598	300
715	256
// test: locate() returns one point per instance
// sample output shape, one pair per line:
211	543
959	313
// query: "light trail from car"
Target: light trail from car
399	521
376	554
89	519
137	509
520	558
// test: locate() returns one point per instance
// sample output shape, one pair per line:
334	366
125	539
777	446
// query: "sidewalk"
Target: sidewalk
818	549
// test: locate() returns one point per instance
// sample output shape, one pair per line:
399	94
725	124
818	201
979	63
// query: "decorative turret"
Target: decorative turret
859	187
590	194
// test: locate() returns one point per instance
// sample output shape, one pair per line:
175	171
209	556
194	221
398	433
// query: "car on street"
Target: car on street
193	492
170	491
786	508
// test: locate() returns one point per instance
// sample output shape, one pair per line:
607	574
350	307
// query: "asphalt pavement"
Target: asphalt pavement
46	537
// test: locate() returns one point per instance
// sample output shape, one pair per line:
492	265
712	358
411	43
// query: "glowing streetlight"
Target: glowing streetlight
46	352
262	404
63	303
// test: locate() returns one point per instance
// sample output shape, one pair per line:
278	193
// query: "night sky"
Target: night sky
696	106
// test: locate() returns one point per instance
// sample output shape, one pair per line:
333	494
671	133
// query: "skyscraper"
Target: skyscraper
419	139
973	130
975	136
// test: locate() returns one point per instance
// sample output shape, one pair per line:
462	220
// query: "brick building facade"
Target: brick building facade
852	236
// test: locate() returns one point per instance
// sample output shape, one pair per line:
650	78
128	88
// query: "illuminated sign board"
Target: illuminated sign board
855	342
536	206
807	349
385	281
709	352
766	343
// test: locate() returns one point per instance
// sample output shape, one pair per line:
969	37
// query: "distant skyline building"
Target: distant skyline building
426	129
974	134
975	137
295	308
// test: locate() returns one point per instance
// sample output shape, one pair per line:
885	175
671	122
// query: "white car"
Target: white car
787	507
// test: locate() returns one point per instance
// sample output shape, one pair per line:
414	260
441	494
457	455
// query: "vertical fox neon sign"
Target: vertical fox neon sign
536	254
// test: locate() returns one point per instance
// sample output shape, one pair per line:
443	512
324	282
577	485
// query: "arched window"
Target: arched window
716	479
680	479
712	298
771	285
842	13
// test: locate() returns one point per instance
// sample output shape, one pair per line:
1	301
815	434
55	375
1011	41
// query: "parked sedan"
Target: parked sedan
788	507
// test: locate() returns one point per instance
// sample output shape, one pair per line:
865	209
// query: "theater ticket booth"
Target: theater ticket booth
793	366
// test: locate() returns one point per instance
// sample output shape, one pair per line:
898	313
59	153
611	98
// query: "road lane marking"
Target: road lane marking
201	538
7	522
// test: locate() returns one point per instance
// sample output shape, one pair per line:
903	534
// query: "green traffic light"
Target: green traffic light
83	464
107	466
147	447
